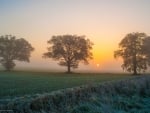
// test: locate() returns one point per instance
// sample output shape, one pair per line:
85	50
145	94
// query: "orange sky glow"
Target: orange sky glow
104	22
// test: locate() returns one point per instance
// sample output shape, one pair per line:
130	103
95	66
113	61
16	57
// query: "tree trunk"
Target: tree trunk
134	65
8	69
69	68
9	65
135	71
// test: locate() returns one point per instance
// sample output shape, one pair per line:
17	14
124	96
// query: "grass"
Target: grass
28	83
130	95
116	104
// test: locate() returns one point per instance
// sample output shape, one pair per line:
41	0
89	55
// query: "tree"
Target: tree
69	50
134	50
146	49
12	49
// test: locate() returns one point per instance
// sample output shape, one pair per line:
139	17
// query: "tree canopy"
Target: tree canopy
69	50
134	48
13	49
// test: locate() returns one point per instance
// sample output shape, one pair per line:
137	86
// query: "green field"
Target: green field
28	83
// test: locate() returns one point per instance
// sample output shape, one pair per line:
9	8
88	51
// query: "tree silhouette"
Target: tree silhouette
12	49
69	50
134	49
146	49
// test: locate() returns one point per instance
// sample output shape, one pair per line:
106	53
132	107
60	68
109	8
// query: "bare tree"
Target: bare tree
69	50
12	49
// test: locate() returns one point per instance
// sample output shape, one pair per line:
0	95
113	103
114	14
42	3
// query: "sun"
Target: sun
97	65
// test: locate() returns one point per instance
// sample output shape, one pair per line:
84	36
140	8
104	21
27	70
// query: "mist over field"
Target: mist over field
52	66
104	22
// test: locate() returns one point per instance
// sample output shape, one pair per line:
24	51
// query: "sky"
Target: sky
104	22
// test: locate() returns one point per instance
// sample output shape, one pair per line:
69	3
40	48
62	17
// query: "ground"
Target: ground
28	83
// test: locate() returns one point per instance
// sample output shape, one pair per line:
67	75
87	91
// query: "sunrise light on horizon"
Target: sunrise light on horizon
104	22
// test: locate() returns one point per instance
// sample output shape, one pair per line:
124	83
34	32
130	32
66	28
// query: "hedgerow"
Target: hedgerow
128	95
